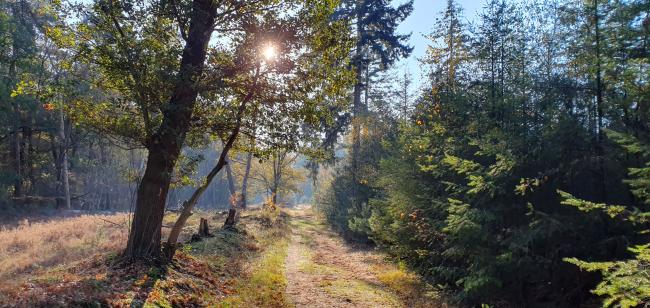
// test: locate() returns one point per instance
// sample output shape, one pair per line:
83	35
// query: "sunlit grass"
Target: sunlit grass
307	264
265	283
407	285
53	243
75	262
393	286
72	261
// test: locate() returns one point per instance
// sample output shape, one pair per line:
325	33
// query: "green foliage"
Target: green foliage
625	283
587	206
465	188
336	199
277	176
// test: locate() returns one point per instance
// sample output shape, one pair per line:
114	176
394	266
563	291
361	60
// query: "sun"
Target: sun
269	52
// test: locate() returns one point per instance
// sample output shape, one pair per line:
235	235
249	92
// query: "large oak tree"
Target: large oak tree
169	69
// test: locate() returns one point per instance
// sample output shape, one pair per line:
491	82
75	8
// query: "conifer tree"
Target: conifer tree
625	283
465	190
374	23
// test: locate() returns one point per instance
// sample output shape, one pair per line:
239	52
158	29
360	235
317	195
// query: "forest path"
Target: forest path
324	271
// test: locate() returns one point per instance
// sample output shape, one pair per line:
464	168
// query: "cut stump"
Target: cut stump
231	219
204	229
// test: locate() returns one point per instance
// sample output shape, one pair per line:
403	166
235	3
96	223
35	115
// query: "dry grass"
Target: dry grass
409	287
47	244
71	262
68	262
62	241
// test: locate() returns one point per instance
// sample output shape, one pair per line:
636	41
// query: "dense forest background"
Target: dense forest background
515	173
471	180
37	141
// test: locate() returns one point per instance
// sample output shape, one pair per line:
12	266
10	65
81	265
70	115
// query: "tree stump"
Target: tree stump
204	229
231	219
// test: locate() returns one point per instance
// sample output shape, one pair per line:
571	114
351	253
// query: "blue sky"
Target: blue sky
421	23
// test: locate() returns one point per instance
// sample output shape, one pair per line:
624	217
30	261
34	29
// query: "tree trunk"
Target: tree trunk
165	145
63	156
231	183
357	112
278	160
235	200
186	211
28	168
231	219
18	181
23	156
244	183
144	237
599	107
274	194
15	140
366	88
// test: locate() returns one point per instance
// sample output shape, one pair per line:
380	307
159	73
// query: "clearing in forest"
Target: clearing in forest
324	271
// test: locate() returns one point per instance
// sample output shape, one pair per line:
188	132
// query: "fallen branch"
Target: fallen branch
106	220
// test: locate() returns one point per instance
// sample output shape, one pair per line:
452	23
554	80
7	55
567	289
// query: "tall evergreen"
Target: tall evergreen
377	42
513	110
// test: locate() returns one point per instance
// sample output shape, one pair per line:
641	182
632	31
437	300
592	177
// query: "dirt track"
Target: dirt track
324	271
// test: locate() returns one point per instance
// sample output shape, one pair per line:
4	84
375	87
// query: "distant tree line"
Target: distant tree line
47	160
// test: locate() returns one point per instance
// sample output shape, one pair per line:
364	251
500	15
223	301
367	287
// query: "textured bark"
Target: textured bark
165	145
186	210
144	237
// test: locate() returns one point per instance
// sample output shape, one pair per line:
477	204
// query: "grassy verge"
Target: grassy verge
263	285
204	273
32	248
408	286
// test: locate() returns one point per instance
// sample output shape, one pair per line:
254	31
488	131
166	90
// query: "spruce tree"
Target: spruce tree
625	283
